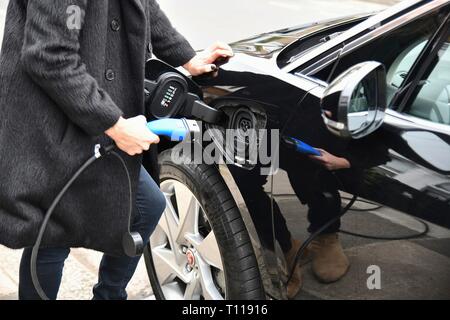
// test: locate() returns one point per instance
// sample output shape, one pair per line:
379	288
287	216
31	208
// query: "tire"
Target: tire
218	219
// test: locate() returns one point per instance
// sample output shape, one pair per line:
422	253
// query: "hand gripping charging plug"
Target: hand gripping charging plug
133	244
176	130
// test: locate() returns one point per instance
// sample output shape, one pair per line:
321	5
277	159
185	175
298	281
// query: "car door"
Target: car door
404	165
417	133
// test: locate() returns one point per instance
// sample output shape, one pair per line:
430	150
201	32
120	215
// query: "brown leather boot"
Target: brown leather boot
296	282
329	262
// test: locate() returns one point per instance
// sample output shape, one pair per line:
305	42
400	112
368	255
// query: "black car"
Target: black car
373	88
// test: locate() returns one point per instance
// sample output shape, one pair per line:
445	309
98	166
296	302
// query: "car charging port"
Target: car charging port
243	121
244	125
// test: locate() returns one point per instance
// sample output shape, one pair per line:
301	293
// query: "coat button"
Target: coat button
110	75
115	25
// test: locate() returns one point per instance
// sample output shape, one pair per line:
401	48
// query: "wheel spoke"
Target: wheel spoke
170	224
166	266
184	197
188	221
207	248
163	260
209	289
193	289
171	220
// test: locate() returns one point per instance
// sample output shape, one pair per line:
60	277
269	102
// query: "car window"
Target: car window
431	101
404	62
398	50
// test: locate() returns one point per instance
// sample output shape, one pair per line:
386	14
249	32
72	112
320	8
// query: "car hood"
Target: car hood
267	44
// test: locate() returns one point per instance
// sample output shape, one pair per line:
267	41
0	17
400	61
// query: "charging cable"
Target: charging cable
176	129
313	235
98	153
347	208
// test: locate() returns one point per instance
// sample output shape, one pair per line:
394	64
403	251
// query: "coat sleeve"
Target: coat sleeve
168	44
50	55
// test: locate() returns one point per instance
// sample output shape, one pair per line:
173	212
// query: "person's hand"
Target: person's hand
203	62
132	135
331	162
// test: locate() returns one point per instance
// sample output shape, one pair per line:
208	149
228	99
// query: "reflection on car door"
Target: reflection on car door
405	165
418	137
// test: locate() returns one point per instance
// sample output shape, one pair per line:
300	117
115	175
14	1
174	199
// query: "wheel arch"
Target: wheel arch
267	264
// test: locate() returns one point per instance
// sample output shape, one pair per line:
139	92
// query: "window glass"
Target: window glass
397	50
431	101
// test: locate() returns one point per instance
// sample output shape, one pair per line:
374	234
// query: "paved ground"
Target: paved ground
414	269
80	275
410	269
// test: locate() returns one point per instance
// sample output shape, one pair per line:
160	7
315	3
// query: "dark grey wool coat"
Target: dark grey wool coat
61	87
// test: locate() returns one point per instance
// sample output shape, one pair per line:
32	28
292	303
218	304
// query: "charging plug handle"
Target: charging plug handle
174	129
200	110
169	97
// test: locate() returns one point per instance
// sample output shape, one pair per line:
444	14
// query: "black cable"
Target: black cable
406	237
348	207
130	191
367	209
375	207
100	152
47	217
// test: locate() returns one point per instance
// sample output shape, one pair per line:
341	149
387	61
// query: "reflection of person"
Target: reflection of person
313	186
321	194
71	76
319	190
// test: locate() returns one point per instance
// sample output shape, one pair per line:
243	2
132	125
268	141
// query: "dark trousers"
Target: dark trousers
115	272
317	189
313	186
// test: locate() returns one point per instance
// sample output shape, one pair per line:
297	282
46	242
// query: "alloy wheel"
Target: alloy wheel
185	252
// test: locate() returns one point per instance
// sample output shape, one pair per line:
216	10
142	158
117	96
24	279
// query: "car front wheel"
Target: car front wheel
200	248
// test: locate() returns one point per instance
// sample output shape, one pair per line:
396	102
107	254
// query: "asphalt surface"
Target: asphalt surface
416	269
411	270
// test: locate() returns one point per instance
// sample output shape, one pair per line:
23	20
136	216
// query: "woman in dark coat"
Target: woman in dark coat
71	77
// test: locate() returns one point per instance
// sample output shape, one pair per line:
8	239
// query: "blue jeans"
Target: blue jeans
115	272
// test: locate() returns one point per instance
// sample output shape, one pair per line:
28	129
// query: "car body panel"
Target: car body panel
400	174
398	165
269	45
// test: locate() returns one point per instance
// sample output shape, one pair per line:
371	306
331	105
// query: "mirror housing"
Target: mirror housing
354	104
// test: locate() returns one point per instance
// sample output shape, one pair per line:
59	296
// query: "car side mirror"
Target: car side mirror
353	105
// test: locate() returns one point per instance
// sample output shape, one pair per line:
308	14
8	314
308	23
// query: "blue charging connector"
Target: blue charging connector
301	147
183	129
175	129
